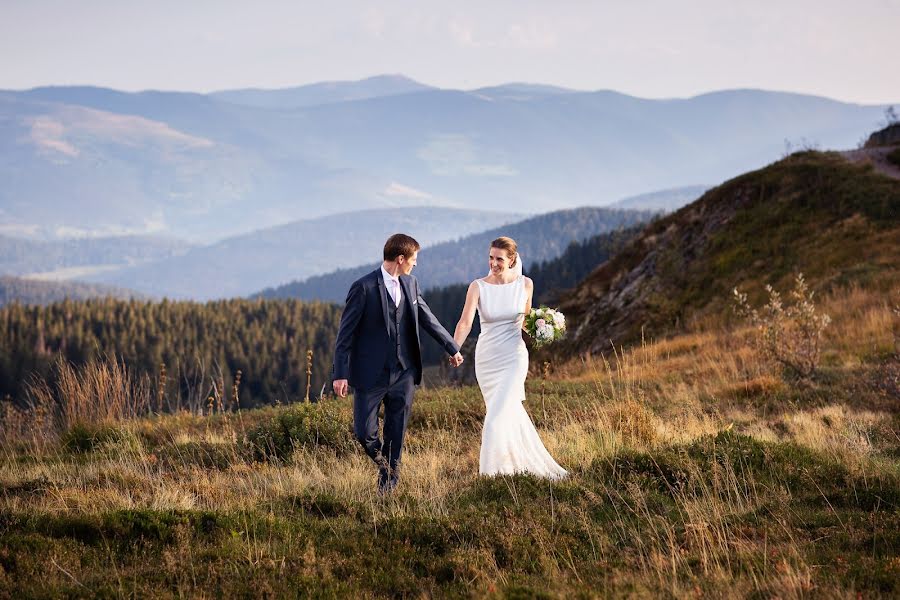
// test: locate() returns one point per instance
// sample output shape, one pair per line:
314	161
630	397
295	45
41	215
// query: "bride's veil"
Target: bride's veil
517	269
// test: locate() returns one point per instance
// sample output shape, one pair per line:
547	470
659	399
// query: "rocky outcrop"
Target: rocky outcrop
633	291
889	136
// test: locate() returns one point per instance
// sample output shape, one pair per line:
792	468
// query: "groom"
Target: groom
377	352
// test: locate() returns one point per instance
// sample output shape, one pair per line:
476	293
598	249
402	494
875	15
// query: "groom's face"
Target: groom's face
407	264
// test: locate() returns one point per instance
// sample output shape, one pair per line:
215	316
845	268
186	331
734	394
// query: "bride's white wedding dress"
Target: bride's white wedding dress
509	441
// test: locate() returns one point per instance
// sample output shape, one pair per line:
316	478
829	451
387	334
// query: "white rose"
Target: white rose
540	323
545	332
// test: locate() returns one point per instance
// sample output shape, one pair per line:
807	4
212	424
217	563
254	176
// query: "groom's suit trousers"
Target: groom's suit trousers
394	386
397	395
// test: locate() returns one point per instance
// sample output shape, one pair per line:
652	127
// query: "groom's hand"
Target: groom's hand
340	387
456	360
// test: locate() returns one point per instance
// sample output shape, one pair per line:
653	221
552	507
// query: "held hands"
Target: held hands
456	360
340	387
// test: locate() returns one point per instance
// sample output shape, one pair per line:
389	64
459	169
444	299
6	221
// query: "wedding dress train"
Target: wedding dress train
509	441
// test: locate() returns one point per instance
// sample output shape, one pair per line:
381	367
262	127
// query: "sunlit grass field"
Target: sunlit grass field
696	470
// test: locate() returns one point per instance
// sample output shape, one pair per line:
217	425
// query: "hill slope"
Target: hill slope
812	212
540	238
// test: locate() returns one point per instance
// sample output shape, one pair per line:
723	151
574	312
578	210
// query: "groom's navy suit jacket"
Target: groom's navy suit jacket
363	343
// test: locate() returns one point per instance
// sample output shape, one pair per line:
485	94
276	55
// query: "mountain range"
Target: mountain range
240	265
540	238
29	291
203	167
79	258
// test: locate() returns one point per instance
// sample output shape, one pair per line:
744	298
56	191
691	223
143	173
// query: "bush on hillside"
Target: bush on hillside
306	425
789	335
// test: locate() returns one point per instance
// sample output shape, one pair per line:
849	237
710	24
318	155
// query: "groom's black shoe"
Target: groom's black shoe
395	477
384	481
384	476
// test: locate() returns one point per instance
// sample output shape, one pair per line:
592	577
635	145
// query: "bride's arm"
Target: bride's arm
529	293
464	326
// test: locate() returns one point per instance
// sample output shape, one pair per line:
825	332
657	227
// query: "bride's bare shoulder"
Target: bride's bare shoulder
473	294
529	284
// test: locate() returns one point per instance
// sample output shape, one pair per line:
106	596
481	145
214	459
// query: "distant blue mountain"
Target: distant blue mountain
81	256
322	93
240	265
540	238
205	167
662	200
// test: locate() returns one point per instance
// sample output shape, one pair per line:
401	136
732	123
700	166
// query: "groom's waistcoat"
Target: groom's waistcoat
401	337
365	344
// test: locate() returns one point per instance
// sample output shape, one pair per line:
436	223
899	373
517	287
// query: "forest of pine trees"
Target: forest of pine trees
199	344
204	345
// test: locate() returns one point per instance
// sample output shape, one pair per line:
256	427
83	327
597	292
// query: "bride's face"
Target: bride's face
499	261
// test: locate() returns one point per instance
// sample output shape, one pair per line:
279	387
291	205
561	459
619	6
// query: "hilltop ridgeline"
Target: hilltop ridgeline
812	212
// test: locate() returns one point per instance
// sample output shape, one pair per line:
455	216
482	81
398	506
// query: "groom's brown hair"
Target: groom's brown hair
400	244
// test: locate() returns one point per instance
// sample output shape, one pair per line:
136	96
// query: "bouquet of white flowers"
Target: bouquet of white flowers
545	325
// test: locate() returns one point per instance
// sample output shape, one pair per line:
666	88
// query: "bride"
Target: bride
509	441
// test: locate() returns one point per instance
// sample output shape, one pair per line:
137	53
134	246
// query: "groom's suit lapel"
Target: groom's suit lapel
409	299
382	293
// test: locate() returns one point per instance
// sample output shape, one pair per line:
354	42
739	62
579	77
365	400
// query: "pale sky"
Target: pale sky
649	48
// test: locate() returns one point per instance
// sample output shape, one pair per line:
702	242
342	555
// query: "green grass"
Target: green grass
741	515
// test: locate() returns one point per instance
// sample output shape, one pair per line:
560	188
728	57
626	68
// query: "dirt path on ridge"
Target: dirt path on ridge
877	157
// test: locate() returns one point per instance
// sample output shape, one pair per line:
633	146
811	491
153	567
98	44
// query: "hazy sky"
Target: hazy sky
651	48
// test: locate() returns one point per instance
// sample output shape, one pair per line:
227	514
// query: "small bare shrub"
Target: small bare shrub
789	335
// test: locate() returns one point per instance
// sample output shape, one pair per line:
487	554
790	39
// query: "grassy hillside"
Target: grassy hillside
694	473
815	213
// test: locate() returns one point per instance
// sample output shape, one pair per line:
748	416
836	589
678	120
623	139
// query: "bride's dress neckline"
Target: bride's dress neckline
500	284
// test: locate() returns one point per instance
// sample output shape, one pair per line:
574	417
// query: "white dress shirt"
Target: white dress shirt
393	286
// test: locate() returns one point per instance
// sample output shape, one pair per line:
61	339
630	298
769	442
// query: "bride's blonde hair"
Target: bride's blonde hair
510	246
